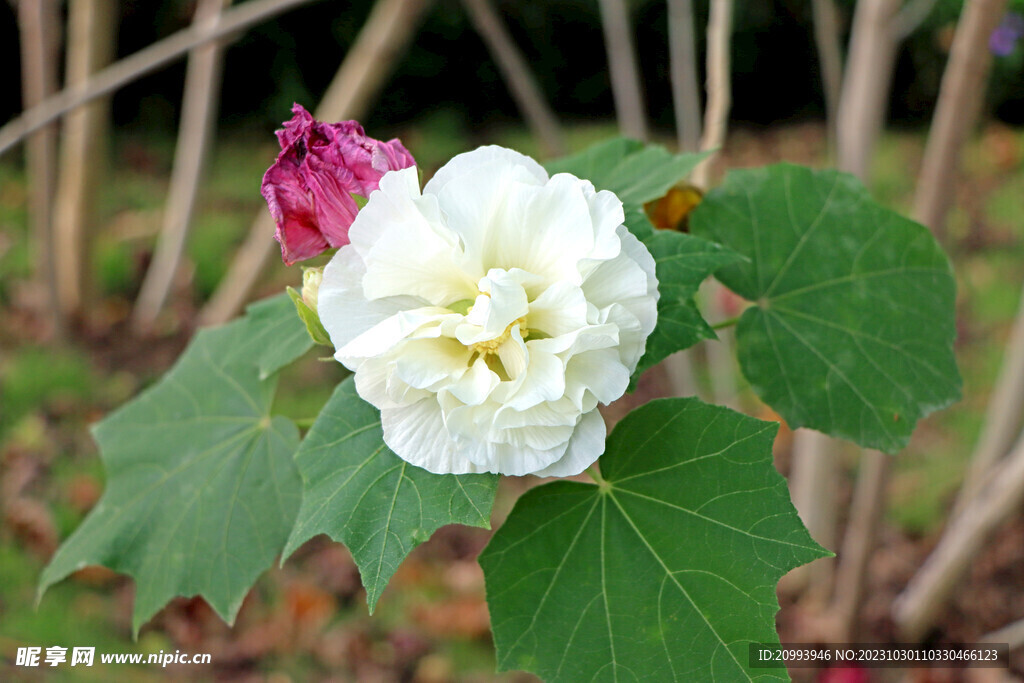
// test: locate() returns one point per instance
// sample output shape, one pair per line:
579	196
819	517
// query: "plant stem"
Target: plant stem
596	476
725	323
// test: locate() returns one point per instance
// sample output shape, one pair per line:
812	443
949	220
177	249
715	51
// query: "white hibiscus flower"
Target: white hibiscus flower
487	316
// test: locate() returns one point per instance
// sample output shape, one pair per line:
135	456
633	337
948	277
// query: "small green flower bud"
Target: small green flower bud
311	279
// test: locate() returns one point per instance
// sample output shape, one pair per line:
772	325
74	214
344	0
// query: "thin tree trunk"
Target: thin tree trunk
1004	415
39	27
861	111
91	28
991	492
520	79
716	114
139	64
916	609
874	477
1011	634
678	368
382	40
623	69
910	17
682	51
721	370
813	483
960	98
198	118
682	44
865	93
830	56
859	541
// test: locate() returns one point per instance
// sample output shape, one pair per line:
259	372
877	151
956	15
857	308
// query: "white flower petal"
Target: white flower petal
513	354
468	163
585	446
543	381
600	372
620	278
584	339
430	304
544	230
372	381
344	310
632	247
474	204
561	309
607	214
475	385
557	413
424	322
404	252
424	363
490	455
502	303
418	435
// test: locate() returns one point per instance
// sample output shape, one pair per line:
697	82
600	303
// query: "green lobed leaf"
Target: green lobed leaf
360	493
638	174
635	172
682	263
665	571
853	328
279	336
201	487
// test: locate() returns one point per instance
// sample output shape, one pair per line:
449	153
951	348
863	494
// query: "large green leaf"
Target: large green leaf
665	571
852	332
279	334
682	263
201	487
360	493
637	174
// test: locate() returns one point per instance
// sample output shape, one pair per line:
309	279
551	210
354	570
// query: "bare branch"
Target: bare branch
910	18
39	27
859	541
858	121
865	93
91	30
622	66
1003	417
716	114
830	56
198	117
992	491
960	98
915	610
139	64
682	51
813	484
521	82
1012	634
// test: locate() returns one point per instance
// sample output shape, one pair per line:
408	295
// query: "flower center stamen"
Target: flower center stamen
491	345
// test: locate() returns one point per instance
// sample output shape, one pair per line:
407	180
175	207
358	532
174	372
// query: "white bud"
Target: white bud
311	279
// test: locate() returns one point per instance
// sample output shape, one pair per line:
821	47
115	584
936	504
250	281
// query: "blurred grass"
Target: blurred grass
47	396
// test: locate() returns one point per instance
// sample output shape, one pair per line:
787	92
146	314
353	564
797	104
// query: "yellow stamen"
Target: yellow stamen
491	345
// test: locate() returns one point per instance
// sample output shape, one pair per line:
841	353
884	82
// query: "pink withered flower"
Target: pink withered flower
310	187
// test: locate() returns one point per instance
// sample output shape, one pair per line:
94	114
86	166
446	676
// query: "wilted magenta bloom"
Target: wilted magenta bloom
1004	39
309	188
